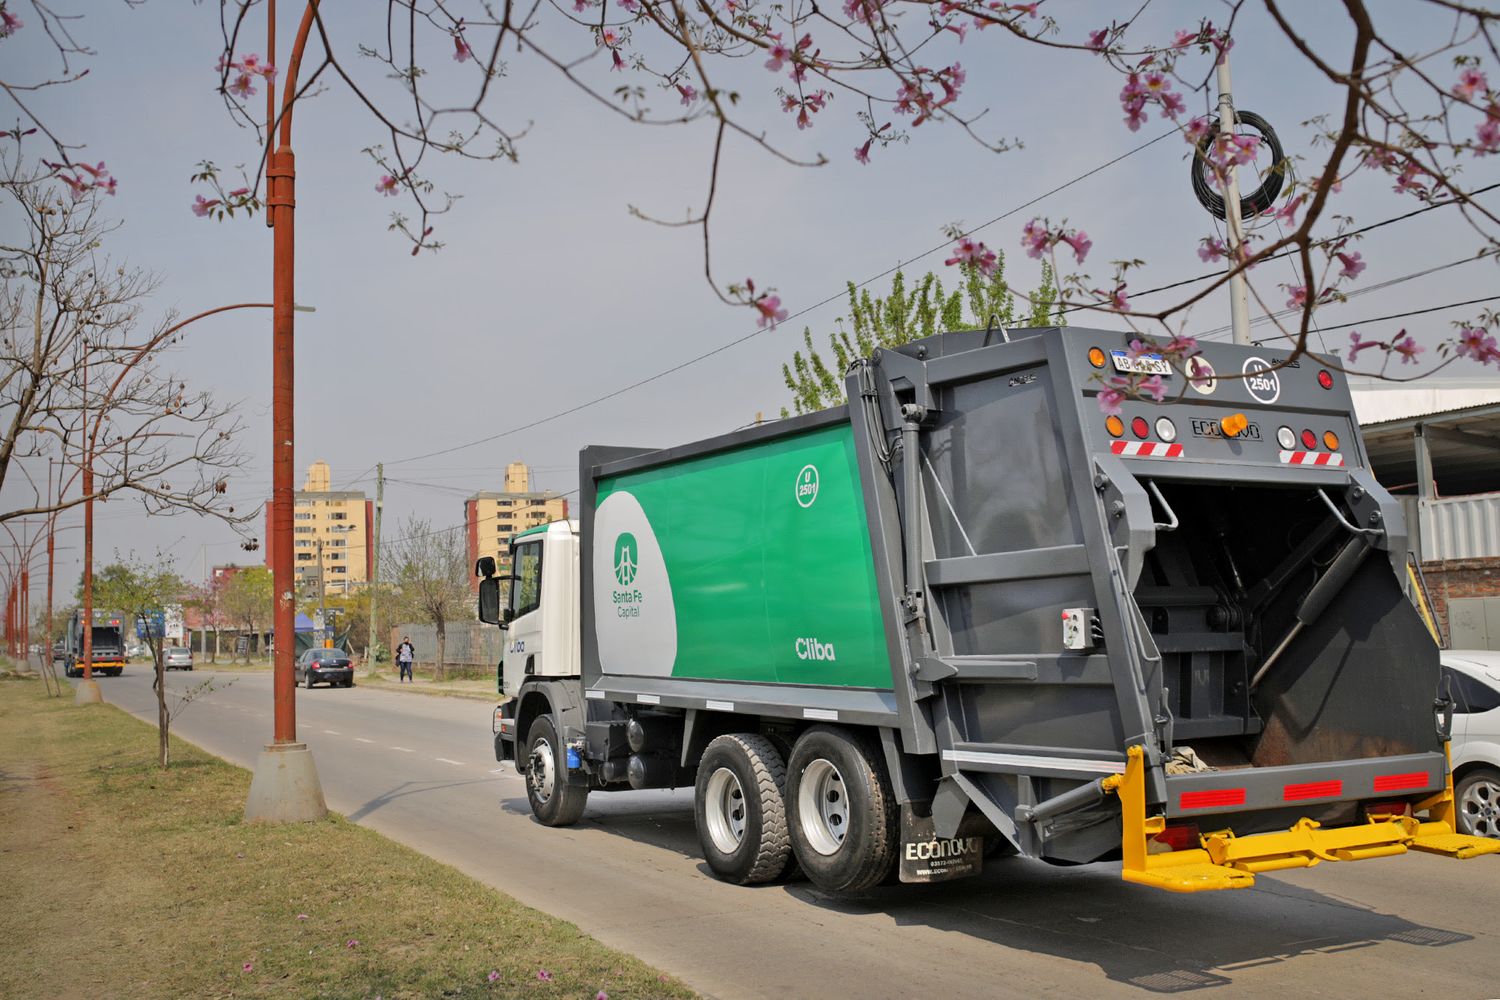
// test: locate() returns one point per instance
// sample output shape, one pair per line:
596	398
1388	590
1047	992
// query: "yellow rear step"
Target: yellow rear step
1229	862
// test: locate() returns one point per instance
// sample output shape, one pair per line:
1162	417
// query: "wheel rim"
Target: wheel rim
540	772
724	810
1480	807
823	807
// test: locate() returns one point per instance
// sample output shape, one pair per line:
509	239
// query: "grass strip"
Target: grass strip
120	879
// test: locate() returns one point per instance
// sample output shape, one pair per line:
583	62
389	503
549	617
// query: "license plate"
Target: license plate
1144	364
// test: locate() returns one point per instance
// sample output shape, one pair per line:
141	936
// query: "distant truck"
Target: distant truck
972	612
108	645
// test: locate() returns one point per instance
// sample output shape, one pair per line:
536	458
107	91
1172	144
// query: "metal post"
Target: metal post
372	647
1239	292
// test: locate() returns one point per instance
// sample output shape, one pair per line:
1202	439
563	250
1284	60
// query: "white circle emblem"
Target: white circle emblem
1261	379
807	486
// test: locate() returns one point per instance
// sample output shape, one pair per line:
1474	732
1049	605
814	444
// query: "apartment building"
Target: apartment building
331	532
493	517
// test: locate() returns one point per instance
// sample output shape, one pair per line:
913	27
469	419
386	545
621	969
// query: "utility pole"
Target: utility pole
1239	291
372	647
88	689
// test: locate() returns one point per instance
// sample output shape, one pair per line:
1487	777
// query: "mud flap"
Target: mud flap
926	857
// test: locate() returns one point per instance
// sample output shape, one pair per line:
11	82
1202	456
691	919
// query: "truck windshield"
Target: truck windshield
526	594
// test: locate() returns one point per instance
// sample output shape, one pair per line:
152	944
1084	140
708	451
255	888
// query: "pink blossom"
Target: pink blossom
1475	343
1118	299
1183	347
1172	104
779	53
544	975
863	11
1487	135
386	186
771	312
1029	9
617	61
107	185
1408	180
461	51
630	5
1406	346
689	94
862	153
1296	296
609	37
969	251
1080	243
302	916
243	86
1470	82
1111	397
1035	239
1153	387
1097	39
601	995
247	967
1196	130
1182	39
202	206
1200	371
494	975
1356	345
1239	150
1288	213
1211	248
9	24
351	943
1353	265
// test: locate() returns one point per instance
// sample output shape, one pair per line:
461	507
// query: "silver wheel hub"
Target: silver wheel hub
540	772
823	807
724	810
1480	808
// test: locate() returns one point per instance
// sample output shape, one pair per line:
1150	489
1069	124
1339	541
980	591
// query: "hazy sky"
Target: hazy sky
549	294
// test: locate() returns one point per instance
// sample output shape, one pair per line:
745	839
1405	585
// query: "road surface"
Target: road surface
420	770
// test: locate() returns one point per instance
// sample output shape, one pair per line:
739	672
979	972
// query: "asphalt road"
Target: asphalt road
420	770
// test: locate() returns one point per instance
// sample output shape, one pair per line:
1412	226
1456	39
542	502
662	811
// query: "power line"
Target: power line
1413	312
797	315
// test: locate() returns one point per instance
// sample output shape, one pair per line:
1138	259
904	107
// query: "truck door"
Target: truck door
523	647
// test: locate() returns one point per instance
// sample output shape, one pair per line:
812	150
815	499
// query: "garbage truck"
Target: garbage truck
107	644
979	611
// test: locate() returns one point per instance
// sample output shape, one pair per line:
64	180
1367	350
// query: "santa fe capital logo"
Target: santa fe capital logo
625	558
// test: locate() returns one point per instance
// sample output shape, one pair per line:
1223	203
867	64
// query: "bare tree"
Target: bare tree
430	568
81	381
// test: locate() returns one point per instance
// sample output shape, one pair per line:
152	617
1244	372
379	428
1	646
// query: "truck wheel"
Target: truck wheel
739	803
841	810
553	800
1478	799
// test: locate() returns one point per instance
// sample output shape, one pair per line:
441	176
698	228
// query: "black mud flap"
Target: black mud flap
926	857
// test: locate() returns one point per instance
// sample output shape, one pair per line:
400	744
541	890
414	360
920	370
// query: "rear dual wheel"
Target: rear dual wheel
739	804
841	810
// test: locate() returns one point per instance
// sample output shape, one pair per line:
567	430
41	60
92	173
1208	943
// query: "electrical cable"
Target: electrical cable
797	315
1400	315
1257	201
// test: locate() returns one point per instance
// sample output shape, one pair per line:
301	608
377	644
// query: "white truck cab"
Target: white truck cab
542	636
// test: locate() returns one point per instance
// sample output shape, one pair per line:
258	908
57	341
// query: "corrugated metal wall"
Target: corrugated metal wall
468	643
1460	527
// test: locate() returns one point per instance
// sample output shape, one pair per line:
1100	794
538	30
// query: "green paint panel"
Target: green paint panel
768	554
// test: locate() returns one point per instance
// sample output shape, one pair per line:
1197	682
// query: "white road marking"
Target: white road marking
332	732
403	749
498	770
361	739
445	760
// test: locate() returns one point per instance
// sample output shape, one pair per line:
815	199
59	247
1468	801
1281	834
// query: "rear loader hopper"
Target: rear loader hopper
971	610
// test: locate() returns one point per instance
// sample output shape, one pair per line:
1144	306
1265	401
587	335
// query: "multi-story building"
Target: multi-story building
331	532
492	518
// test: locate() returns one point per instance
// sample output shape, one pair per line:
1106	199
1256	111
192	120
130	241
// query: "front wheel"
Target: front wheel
554	802
739	803
309	680
841	811
1477	797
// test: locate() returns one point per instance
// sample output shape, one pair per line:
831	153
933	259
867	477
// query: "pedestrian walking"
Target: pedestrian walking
405	654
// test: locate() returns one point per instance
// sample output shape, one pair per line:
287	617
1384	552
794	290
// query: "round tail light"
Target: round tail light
1139	427
1309	441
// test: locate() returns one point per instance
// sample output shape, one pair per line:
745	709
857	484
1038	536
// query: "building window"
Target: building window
303	516
338	515
304	556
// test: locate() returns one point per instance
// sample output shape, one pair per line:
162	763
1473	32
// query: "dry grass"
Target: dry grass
118	879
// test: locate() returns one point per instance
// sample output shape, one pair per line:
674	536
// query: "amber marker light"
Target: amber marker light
1096	357
1114	425
1234	425
1330	441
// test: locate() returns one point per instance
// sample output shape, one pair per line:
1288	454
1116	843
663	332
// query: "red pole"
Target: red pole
25	614
51	526
87	622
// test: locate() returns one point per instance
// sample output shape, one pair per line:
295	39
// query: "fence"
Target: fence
469	644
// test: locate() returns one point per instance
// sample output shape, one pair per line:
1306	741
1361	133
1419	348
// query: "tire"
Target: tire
841	811
309	680
554	802
1477	800
739	805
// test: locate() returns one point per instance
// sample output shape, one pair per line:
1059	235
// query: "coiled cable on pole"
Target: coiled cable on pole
1256	201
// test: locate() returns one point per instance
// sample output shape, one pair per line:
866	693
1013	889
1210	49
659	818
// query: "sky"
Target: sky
549	294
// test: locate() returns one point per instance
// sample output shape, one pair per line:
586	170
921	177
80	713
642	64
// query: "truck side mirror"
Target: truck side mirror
489	600
484	567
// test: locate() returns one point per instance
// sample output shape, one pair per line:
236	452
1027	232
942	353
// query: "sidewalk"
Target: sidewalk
482	689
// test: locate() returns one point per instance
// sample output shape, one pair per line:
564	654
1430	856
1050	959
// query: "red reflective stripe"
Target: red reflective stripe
1118	447
1209	799
1174	450
1312	790
1400	782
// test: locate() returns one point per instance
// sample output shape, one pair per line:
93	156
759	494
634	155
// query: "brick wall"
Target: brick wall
1457	578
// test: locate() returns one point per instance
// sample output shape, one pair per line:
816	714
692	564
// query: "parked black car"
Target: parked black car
324	666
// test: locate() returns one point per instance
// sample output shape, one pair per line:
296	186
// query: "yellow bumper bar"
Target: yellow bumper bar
1225	861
